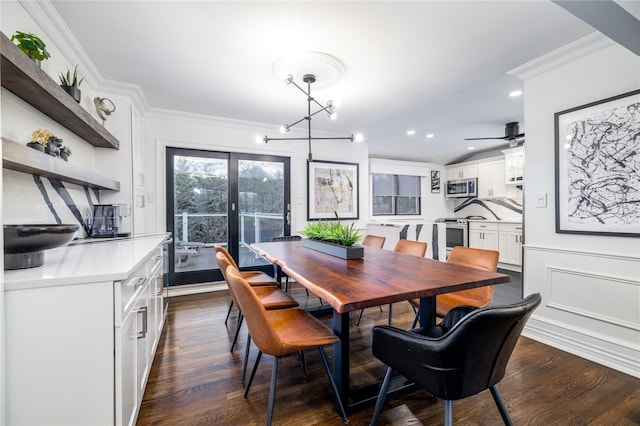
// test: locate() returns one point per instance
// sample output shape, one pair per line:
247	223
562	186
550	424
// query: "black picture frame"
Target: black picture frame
435	181
597	158
332	188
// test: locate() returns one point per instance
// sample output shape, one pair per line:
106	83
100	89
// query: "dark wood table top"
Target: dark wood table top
380	277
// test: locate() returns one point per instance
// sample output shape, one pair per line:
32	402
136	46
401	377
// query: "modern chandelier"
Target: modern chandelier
329	108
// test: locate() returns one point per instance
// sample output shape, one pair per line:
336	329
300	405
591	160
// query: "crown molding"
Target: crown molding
572	51
48	18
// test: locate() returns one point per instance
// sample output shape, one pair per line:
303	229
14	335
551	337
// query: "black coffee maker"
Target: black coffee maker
107	221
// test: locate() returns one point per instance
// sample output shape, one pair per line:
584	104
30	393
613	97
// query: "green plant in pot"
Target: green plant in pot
31	45
71	84
332	232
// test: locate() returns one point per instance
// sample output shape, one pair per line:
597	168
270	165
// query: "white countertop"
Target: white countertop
494	221
85	262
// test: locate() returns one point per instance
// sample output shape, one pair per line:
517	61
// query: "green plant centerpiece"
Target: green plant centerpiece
31	45
333	238
71	83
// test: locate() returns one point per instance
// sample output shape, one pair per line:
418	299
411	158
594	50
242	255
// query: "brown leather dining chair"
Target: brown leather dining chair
279	333
271	297
476	297
410	247
254	278
373	241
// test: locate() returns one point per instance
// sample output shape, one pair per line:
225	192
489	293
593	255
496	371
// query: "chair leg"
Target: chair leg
415	320
272	391
390	312
228	313
360	316
333	385
503	410
382	396
235	338
303	363
246	358
448	412
253	373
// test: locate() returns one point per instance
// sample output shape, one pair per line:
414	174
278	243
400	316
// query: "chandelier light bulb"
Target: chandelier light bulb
333	115
284	128
358	137
289	79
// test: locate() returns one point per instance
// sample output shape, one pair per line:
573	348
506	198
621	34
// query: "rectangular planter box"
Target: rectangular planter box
343	252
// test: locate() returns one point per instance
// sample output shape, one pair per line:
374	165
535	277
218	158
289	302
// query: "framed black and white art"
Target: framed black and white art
332	188
597	167
435	181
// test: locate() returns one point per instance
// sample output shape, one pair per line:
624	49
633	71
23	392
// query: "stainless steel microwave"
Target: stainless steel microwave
462	188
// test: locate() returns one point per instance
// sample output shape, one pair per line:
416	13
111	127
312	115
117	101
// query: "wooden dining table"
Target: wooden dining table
381	277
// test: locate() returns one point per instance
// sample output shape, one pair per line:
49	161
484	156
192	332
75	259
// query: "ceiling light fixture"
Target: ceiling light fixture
329	109
411	132
515	93
430	135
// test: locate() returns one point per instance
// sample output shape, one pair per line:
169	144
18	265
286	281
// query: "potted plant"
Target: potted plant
31	45
333	238
65	152
71	84
39	139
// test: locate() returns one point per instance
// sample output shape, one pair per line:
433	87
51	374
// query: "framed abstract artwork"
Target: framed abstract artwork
435	181
332	188
597	161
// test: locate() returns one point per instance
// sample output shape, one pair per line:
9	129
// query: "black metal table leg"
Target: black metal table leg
341	355
427	311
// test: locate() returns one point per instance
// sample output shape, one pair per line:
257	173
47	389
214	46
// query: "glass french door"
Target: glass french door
226	198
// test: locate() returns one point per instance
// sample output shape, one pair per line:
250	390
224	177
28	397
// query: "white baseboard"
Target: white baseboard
183	290
609	353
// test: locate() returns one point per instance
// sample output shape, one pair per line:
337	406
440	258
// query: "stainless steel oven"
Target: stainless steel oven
457	232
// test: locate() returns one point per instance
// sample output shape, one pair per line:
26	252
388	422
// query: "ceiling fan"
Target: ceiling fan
511	134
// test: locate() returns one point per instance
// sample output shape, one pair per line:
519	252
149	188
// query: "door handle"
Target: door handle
288	214
233	207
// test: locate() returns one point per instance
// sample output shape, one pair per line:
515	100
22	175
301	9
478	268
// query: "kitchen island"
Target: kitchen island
81	332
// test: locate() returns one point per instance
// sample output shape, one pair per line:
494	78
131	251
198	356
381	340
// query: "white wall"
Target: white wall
163	129
590	285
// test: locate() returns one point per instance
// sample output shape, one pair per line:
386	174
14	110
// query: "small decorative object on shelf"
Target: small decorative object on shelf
53	147
31	45
71	84
39	139
65	152
103	109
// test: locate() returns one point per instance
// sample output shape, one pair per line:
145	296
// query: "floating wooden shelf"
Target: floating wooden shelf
28	160
22	77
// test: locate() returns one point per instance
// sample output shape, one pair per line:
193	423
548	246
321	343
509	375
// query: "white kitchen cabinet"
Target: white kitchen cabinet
514	166
483	235
461	171
76	351
491	180
510	243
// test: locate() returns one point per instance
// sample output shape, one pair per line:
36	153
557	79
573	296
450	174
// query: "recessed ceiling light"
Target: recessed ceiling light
515	93
471	148
430	135
411	132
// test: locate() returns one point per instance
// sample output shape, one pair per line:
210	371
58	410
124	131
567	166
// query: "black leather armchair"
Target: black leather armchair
464	355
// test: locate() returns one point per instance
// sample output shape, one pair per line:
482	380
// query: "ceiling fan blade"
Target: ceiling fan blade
482	139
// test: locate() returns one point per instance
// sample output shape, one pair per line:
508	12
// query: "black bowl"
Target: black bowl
24	245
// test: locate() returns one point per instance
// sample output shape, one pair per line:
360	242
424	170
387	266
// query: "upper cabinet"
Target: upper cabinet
514	166
22	77
462	171
491	180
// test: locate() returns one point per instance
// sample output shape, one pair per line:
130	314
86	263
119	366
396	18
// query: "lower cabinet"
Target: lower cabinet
483	235
81	354
510	243
503	237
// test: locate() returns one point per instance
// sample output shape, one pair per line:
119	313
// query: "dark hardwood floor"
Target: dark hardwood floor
195	380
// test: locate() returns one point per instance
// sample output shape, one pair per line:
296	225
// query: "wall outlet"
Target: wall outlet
541	200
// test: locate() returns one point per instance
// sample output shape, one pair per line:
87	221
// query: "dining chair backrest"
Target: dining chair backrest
220	249
223	264
478	297
373	241
415	248
255	314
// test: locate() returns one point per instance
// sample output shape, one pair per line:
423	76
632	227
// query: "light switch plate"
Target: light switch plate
541	200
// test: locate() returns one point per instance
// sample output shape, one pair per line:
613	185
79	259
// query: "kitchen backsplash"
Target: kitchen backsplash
507	208
33	199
